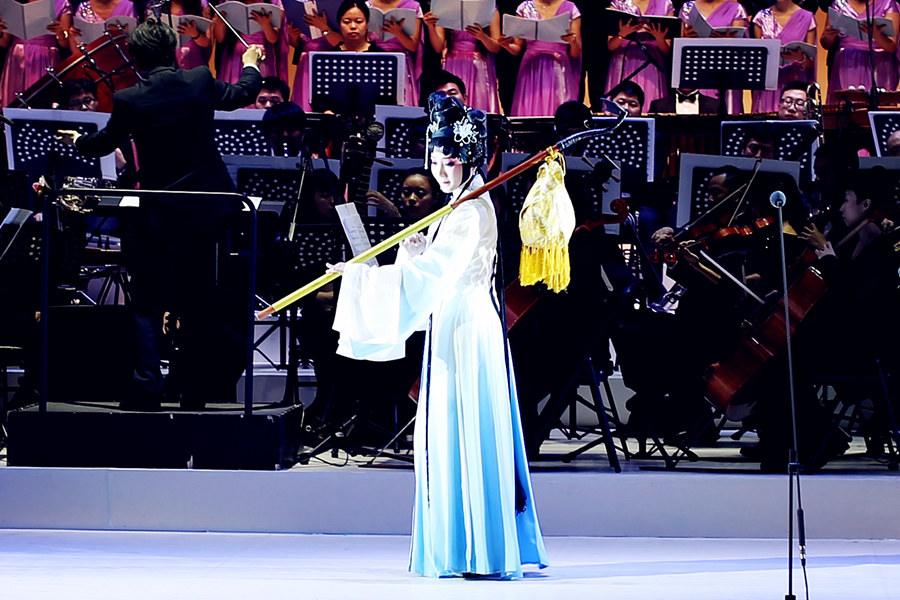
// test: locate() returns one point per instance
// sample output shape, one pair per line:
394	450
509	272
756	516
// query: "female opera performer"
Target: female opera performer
28	60
474	507
469	55
97	11
550	72
197	51
718	13
851	65
786	22
628	56
274	64
411	45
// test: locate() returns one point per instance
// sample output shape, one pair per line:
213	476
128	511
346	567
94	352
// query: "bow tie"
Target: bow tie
689	97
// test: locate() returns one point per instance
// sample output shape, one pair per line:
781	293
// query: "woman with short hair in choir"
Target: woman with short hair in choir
718	13
550	72
786	22
28	60
629	57
411	45
229	65
469	55
851	65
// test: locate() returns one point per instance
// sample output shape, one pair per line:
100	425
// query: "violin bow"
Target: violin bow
230	26
435	216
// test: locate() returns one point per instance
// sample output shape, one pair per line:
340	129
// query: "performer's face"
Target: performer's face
417	197
852	210
353	25
447	170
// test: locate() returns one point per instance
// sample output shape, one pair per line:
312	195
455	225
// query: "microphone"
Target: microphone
777	199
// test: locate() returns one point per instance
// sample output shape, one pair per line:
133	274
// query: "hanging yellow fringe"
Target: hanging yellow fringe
546	223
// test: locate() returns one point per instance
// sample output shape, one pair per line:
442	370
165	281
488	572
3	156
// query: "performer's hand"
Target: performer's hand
658	32
828	250
319	21
663	237
253	55
430	19
374	198
414	244
67	136
477	31
626	28
794	55
812	236
335	268
689	32
393	27
262	17
294	36
188	28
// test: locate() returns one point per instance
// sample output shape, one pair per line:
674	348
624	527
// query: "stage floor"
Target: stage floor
97	565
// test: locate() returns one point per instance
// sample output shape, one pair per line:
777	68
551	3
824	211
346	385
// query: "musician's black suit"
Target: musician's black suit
172	246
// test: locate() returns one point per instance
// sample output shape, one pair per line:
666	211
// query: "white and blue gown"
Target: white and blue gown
470	463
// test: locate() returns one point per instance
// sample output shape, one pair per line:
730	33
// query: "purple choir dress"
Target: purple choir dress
723	16
413	59
851	62
274	64
629	56
191	55
300	89
125	8
548	76
28	60
798	25
475	66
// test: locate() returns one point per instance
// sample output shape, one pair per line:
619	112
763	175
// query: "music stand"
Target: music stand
632	146
32	147
239	132
356	81
883	124
725	64
696	170
891	165
388	179
399	129
517	188
794	141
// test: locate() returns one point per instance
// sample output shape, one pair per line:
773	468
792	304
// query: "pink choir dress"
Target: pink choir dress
28	60
548	76
629	56
413	59
275	63
798	25
475	66
125	8
300	89
192	55
851	62
723	16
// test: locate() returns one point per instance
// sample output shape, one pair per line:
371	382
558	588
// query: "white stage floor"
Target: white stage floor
74	565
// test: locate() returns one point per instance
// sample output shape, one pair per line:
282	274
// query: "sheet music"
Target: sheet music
458	14
542	30
294	10
807	49
201	23
354	229
238	14
27	21
851	27
699	24
93	31
377	19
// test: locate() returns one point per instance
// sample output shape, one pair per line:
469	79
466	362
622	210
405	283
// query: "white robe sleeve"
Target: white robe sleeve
379	307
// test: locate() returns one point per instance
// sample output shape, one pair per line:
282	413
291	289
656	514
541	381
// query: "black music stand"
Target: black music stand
352	83
794	141
239	132
632	146
696	170
725	64
32	147
883	124
401	125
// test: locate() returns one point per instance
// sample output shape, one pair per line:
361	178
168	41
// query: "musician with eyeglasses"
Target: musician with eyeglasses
794	102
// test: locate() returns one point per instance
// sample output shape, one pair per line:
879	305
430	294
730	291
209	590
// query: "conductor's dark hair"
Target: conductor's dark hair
284	116
348	4
152	44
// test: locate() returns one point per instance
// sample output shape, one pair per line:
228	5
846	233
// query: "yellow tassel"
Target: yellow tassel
546	223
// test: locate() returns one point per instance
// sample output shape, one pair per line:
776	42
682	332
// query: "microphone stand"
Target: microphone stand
777	199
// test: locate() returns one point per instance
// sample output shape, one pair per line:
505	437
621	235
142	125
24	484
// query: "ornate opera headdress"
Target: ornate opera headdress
456	130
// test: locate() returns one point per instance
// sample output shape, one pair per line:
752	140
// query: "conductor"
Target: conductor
177	284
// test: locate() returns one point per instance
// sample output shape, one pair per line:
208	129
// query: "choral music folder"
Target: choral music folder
541	30
459	14
27	21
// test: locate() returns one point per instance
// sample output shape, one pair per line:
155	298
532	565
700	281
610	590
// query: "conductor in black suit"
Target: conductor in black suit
173	258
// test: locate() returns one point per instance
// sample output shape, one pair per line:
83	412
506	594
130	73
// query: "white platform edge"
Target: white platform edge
365	501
